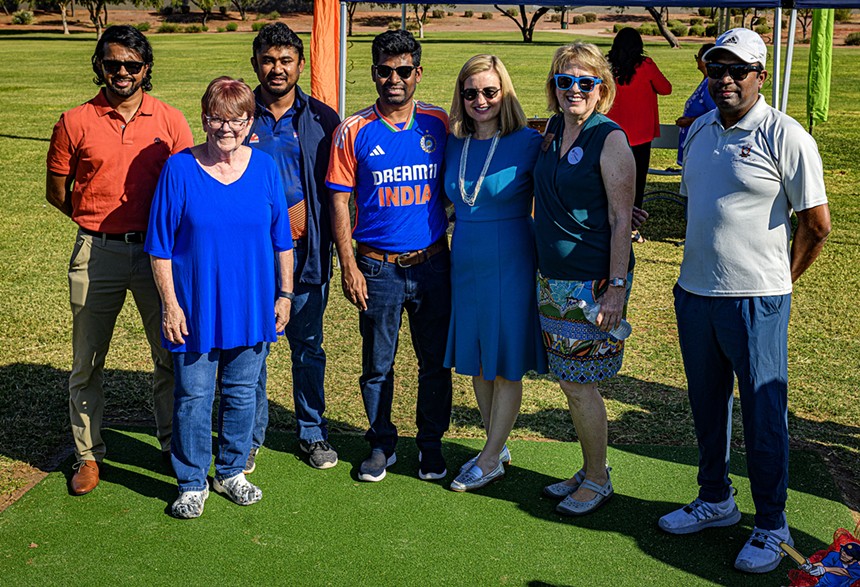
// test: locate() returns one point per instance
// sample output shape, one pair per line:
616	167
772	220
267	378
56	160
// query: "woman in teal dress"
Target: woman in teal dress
584	186
494	333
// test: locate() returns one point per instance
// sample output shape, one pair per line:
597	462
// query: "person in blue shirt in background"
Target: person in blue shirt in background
699	103
296	130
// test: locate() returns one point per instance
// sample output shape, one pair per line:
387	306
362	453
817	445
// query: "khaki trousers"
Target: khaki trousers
101	271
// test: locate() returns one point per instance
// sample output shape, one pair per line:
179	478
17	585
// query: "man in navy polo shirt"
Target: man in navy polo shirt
296	131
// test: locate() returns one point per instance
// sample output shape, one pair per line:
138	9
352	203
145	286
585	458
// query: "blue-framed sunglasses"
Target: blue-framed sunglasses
586	83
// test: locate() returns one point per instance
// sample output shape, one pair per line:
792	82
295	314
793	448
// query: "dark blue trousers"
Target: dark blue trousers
424	291
745	337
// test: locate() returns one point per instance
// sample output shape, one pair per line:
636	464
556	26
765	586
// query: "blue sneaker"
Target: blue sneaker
373	467
761	553
699	515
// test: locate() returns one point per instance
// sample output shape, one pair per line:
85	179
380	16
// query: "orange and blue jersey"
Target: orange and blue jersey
395	172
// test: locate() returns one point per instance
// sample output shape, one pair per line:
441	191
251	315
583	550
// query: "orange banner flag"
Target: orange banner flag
325	49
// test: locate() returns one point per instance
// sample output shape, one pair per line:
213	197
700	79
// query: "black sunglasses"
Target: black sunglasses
586	83
471	94
112	66
403	71
738	71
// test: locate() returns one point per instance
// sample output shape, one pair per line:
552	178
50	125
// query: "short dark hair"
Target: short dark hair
278	34
396	42
130	38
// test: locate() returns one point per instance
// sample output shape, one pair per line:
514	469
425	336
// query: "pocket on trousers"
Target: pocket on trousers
369	267
80	252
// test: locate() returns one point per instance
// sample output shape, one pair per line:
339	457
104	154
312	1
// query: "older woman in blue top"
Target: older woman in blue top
494	334
218	228
584	186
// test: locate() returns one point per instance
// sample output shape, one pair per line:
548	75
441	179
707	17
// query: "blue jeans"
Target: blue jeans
305	335
747	337
424	291
235	371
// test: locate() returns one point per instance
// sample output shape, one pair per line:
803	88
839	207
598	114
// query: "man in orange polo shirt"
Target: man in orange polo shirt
103	165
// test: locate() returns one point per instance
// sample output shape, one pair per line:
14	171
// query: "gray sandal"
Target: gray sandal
572	507
561	489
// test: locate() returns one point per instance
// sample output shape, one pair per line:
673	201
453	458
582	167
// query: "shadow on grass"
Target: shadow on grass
18	137
34	425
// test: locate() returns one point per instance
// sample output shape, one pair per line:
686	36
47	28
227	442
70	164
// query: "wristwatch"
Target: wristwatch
287	294
617	282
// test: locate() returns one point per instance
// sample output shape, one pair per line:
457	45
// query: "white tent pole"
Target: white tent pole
789	54
341	82
403	16
777	56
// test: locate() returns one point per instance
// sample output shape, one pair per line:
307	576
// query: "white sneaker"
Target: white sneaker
699	515
238	489
761	553
189	504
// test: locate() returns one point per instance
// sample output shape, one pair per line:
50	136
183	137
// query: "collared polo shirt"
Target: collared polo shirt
115	164
395	172
742	184
280	139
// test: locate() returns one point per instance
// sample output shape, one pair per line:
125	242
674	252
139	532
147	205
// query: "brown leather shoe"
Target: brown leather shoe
86	477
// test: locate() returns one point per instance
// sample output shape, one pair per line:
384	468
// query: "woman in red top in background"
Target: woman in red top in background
638	81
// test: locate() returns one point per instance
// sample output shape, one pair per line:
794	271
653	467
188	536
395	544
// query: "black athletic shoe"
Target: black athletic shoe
321	455
432	465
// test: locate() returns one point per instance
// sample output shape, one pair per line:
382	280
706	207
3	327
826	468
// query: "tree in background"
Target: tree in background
244	5
97	10
661	17
804	17
421	11
205	6
526	26
63	5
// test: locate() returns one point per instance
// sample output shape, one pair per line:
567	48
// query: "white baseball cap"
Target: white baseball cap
742	43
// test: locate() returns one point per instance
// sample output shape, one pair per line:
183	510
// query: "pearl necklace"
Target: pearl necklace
470	198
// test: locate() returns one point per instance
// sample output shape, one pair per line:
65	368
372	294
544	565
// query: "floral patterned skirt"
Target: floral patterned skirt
577	350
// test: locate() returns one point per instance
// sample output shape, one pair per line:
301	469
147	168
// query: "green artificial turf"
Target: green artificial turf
325	528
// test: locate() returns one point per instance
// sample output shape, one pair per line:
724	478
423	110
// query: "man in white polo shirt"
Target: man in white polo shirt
747	167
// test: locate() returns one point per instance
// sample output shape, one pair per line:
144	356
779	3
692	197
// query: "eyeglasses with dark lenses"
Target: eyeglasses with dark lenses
403	71
586	83
235	124
112	66
471	94
738	71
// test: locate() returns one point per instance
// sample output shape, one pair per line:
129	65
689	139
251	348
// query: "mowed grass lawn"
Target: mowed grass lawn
42	75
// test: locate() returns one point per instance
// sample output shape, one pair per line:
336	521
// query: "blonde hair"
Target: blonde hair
511	117
228	97
588	57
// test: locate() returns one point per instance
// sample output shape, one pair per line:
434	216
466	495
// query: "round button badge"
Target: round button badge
575	155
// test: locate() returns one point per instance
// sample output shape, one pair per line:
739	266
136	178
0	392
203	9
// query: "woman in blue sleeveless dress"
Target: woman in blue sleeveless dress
584	190
494	333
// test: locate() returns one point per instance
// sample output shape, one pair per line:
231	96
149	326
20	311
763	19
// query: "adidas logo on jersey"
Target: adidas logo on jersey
377	150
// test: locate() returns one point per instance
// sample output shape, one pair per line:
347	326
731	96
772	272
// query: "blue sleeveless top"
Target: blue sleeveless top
571	206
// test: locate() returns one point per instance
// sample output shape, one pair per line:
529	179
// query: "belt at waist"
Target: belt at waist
136	236
403	259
